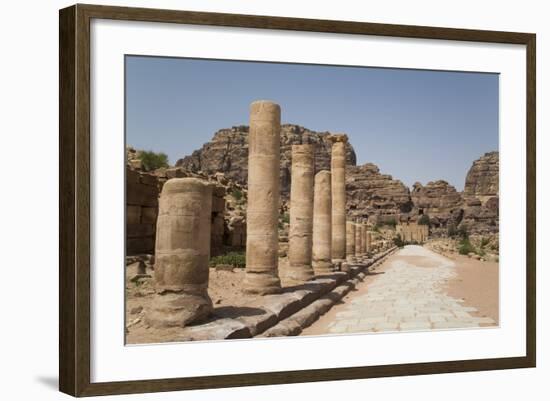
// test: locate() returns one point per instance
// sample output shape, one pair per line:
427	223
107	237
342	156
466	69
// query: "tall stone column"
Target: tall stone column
300	239
338	166
322	224
363	238
350	239
358	238
262	276
182	253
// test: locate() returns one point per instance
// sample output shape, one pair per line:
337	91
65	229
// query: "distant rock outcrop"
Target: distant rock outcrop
482	178
227	153
481	194
439	200
375	196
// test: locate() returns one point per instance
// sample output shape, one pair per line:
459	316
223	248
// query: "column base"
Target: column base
261	283
322	267
178	309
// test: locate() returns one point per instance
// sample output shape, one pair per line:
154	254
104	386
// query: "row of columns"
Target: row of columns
358	239
319	237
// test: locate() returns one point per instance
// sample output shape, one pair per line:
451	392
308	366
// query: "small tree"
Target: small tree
151	160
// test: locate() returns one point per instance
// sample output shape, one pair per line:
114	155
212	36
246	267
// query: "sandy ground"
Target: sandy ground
224	290
477	283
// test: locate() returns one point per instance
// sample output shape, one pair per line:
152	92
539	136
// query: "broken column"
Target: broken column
262	276
182	253
322	224
338	185
350	239
301	214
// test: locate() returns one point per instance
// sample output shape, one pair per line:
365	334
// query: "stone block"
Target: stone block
282	329
141	195
139	230
133	214
136	246
220	329
281	305
148	179
149	215
218	204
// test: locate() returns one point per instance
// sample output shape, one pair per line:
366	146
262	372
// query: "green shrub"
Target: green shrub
237	259
398	241
237	194
285	218
484	242
465	247
424	220
151	160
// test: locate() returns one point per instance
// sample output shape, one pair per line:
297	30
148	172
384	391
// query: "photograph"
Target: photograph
270	199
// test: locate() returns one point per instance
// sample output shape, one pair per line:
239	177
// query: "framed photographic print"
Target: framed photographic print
250	200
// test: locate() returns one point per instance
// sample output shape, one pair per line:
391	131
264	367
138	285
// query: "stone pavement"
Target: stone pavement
407	296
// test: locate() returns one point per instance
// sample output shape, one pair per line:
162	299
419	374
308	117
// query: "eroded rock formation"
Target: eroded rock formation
374	195
439	200
227	153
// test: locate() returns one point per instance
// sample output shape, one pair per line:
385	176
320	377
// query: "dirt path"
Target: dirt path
414	289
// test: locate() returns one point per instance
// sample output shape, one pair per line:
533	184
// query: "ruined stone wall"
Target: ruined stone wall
413	232
142	192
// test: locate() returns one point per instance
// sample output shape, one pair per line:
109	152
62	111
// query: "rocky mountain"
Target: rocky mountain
227	153
481	194
482	178
439	200
375	196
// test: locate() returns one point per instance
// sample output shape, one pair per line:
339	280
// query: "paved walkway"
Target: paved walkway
407	296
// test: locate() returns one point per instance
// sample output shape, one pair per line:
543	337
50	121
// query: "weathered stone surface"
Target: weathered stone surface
376	196
350	239
281	305
301	214
338	186
227	152
322	224
285	328
182	253
483	177
439	200
262	212
217	330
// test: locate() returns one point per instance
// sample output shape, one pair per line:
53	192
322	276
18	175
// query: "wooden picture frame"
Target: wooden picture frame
74	204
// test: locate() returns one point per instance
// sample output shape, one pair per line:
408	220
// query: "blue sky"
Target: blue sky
415	125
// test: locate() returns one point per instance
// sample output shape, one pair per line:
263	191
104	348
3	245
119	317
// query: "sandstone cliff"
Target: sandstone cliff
375	196
482	178
227	153
481	194
439	200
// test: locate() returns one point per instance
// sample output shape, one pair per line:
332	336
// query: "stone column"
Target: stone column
182	253
338	166
300	238
363	238
322	224
358	238
262	213
350	239
368	243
